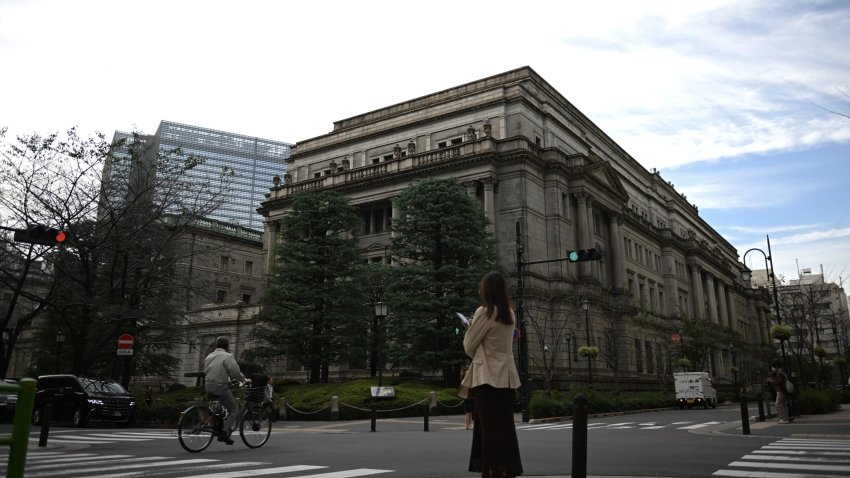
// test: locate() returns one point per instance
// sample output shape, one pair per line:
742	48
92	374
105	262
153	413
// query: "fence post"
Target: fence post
427	413
282	413
374	418
334	408
433	404
21	429
745	415
761	408
579	437
46	416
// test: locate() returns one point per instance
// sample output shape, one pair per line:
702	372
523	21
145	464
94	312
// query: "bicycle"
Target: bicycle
199	424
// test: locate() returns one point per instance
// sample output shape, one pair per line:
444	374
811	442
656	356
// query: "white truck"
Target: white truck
694	388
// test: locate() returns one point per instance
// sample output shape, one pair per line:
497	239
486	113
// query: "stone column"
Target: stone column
712	298
394	216
270	236
724	311
490	203
594	265
697	303
471	187
615	251
583	237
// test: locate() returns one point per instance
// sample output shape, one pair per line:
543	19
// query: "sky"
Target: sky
734	102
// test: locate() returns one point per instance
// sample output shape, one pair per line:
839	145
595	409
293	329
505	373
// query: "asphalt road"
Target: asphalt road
670	443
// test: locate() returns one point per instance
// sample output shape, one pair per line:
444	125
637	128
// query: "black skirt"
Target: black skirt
495	449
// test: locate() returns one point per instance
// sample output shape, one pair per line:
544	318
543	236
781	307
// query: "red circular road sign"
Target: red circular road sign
676	338
125	341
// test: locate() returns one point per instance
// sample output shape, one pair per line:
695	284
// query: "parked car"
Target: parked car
82	400
8	401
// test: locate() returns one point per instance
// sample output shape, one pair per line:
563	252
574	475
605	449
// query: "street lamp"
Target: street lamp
381	314
60	339
746	275
585	306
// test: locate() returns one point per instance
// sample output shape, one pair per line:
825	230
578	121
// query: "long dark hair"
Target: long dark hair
493	291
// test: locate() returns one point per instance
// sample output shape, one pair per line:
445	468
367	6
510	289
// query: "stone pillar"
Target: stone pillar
697	303
583	236
270	236
712	298
394	216
724	310
593	265
490	203
615	251
730	307
471	187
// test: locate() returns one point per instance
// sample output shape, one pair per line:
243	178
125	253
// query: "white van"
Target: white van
694	388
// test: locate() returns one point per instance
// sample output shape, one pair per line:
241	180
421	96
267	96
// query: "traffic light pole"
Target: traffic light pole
573	256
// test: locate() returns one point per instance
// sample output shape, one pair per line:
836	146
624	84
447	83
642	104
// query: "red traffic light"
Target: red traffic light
39	234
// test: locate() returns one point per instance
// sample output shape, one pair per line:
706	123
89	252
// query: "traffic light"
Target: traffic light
39	234
582	255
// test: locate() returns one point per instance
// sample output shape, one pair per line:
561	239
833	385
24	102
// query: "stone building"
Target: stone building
541	167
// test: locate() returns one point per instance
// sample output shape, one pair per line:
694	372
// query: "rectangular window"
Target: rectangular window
224	264
246	298
249	268
442	144
456	141
638	357
221	297
650	367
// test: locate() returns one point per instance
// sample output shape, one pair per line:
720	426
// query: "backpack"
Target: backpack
789	387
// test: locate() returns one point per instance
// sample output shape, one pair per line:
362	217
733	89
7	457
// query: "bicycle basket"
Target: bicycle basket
254	394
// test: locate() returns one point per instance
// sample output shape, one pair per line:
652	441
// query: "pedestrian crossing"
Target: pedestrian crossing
56	464
687	425
793	458
102	437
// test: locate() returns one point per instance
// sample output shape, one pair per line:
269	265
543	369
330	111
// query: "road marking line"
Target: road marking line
260	472
759	474
126	467
792	466
698	425
796	458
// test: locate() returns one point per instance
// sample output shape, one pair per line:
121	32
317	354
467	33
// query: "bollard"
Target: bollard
427	413
47	413
579	437
745	415
767	405
761	408
433	404
374	418
334	408
281	415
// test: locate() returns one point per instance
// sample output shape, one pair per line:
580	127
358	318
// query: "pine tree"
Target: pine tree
314	308
442	250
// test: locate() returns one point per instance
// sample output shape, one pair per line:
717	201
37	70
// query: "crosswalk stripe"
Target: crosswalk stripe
126	467
698	425
214	466
89	462
759	474
346	473
792	466
795	458
260	472
64	440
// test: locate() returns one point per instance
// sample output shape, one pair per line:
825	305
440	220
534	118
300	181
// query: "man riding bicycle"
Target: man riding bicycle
220	368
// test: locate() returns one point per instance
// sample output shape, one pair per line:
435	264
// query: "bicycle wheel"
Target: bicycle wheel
255	426
196	428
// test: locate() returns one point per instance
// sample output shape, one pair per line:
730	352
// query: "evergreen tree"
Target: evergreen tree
442	250
315	307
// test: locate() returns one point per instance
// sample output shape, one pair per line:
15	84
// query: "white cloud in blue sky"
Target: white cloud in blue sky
726	98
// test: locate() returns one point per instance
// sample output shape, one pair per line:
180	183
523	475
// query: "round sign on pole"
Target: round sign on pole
125	341
676	338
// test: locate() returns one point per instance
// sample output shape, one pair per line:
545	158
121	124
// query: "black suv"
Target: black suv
82	400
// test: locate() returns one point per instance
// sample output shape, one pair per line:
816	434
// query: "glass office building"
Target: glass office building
254	162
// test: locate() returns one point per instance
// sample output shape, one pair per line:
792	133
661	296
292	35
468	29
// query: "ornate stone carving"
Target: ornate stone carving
470	133
332	166
488	129
346	164
287	178
411	147
397	152
276	180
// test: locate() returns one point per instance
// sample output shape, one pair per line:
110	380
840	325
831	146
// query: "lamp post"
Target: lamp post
585	306
381	314
746	275
60	339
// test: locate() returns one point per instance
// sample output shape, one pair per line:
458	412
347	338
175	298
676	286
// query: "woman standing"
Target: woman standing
493	379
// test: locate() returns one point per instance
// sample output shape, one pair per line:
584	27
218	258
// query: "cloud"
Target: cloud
772	229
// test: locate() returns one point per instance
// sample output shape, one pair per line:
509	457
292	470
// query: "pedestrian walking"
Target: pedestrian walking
492	380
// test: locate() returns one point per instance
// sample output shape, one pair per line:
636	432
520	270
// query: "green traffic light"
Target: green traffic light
573	256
